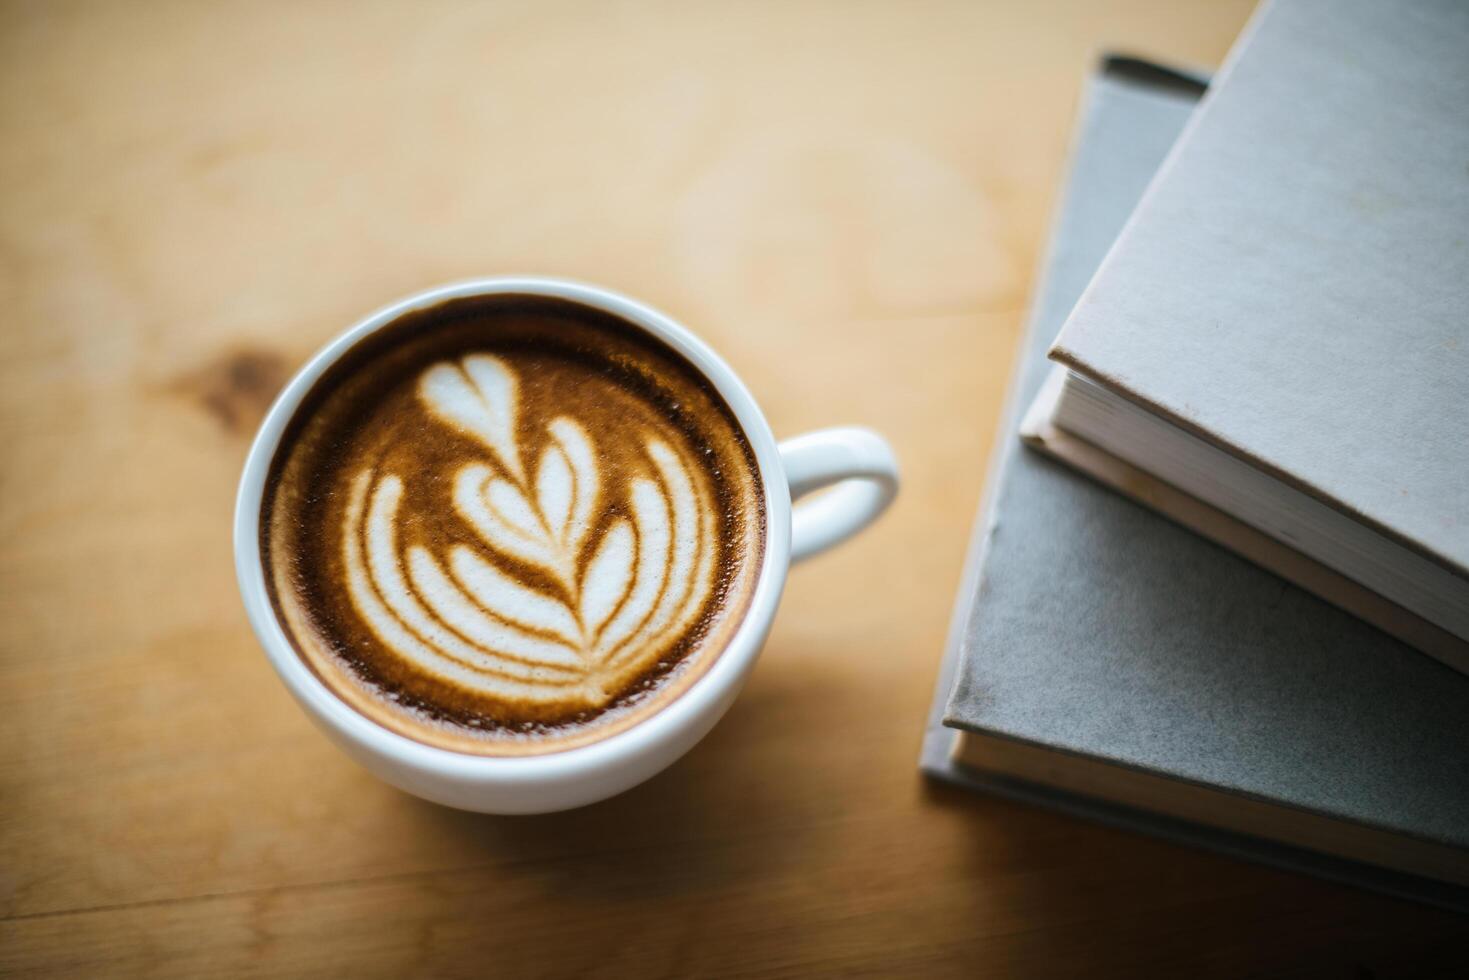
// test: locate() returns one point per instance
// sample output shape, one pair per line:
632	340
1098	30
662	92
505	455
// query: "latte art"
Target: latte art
511	524
614	600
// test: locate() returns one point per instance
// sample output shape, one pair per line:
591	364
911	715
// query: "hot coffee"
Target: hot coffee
511	524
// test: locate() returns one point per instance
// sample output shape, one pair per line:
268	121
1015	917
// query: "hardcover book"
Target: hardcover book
1282	329
1100	652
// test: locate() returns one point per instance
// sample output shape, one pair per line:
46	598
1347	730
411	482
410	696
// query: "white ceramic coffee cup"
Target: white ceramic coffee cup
858	461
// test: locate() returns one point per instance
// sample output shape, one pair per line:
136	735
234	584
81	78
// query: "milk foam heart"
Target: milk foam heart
511	525
618	599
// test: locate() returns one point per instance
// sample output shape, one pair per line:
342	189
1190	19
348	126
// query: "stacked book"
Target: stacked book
1219	585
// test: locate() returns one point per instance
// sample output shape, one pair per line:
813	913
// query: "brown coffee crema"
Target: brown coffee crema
511	525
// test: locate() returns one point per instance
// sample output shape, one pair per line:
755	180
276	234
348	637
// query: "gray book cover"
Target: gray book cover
1088	624
1294	287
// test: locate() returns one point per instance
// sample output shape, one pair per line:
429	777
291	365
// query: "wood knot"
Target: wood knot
236	389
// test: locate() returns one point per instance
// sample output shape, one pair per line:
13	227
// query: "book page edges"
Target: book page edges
1038	431
1221	809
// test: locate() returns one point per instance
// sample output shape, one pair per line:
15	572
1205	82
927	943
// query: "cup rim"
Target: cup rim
676	719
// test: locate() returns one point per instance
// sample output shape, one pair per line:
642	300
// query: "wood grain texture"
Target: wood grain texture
846	199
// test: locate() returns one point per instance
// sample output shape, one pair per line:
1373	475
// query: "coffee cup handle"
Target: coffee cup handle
859	466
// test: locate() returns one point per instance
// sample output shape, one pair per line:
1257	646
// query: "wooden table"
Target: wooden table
846	199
